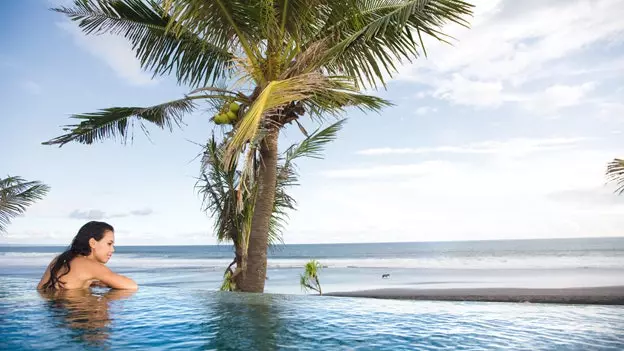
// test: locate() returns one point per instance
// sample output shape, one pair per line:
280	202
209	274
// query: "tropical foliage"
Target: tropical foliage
220	185
276	60
615	174
16	194
309	280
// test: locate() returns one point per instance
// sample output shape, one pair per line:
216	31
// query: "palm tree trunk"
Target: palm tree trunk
253	278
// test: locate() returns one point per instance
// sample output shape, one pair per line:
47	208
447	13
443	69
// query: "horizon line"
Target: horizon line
347	243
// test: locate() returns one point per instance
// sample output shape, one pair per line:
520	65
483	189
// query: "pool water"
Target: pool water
186	319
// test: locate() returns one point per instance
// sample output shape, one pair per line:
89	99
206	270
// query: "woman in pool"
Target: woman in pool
83	264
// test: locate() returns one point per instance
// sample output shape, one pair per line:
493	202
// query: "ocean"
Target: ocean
553	263
178	305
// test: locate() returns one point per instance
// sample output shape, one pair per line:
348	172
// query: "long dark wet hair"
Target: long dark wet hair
79	247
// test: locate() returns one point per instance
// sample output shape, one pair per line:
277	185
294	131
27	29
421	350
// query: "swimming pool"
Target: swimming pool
178	318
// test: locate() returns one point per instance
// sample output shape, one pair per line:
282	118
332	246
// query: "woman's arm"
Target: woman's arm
111	279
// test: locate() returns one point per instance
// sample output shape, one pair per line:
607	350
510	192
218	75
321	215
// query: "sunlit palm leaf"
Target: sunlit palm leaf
116	121
615	174
16	194
144	23
321	94
276	94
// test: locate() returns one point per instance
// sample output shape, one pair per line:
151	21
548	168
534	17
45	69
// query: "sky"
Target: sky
505	134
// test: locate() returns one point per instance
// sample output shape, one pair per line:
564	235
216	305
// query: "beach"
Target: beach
613	295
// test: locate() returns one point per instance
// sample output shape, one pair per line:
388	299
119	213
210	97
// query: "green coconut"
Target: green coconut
234	107
221	118
231	116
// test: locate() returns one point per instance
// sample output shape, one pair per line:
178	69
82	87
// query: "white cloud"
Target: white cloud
589	197
88	215
612	110
99	214
425	110
115	51
508	148
512	43
460	90
559	96
422	95
416	170
525	36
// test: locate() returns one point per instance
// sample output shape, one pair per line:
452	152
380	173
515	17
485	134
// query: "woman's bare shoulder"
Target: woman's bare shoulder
81	262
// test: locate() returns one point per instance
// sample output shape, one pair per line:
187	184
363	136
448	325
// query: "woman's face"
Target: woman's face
103	250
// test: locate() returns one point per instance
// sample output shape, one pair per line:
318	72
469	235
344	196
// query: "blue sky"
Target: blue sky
504	135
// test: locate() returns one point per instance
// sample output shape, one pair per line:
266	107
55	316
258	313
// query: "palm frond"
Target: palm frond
287	24
114	122
230	207
276	94
615	174
231	23
319	93
299	19
16	194
367	43
220	186
340	94
144	23
313	145
217	186
279	217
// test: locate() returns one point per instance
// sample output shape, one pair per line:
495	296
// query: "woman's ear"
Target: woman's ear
92	243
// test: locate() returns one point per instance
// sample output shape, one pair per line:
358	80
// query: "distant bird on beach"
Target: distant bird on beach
386	275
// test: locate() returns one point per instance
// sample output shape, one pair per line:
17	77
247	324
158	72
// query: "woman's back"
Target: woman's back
81	275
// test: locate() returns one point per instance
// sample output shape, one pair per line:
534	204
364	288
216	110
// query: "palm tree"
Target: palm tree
309	279
615	174
279	60
220	186
16	194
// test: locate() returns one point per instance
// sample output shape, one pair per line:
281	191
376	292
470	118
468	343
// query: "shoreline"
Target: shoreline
610	295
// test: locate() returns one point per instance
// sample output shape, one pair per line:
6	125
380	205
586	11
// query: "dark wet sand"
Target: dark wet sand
613	295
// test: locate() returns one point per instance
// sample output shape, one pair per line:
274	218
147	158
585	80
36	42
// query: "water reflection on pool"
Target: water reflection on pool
169	318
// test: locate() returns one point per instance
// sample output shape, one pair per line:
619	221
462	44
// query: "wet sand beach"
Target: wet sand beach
613	295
